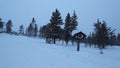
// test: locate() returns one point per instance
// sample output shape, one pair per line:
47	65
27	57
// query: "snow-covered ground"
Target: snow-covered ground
24	52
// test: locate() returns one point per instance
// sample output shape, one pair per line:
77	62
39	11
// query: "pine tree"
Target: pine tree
35	30
100	31
112	37
56	18
21	30
45	30
54	25
102	34
91	39
74	22
9	26
33	20
41	31
67	22
1	25
32	28
33	24
67	28
70	25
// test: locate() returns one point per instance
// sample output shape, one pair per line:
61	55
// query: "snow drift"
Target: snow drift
24	52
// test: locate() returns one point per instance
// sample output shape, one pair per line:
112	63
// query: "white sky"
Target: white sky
88	11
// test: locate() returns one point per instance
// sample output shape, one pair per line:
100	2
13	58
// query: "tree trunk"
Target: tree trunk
54	40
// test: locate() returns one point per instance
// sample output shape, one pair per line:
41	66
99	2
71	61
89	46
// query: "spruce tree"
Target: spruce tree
74	22
32	28
45	30
67	28
9	26
41	31
33	20
112	37
54	26
35	30
33	25
21	30
102	34
70	25
1	25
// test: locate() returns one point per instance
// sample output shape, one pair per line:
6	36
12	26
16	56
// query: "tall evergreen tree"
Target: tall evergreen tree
67	28
54	26
67	22
9	26
33	20
45	30
112	37
74	22
33	25
91	39
56	18
102	34
32	28
41	31
35	30
1	25
70	25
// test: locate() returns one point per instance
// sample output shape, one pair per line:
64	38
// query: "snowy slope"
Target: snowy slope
23	52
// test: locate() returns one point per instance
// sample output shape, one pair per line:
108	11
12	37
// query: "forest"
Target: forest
57	30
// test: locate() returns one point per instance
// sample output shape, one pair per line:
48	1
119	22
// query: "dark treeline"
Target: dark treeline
101	37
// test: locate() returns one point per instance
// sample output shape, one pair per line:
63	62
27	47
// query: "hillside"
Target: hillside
24	52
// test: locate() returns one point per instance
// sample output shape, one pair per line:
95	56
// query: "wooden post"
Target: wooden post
78	46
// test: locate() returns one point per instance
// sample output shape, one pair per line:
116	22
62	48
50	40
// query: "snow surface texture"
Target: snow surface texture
23	52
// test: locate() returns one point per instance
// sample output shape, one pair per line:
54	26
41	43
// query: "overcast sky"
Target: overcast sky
88	11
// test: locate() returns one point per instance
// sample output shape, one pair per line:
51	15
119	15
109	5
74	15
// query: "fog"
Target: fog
88	11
